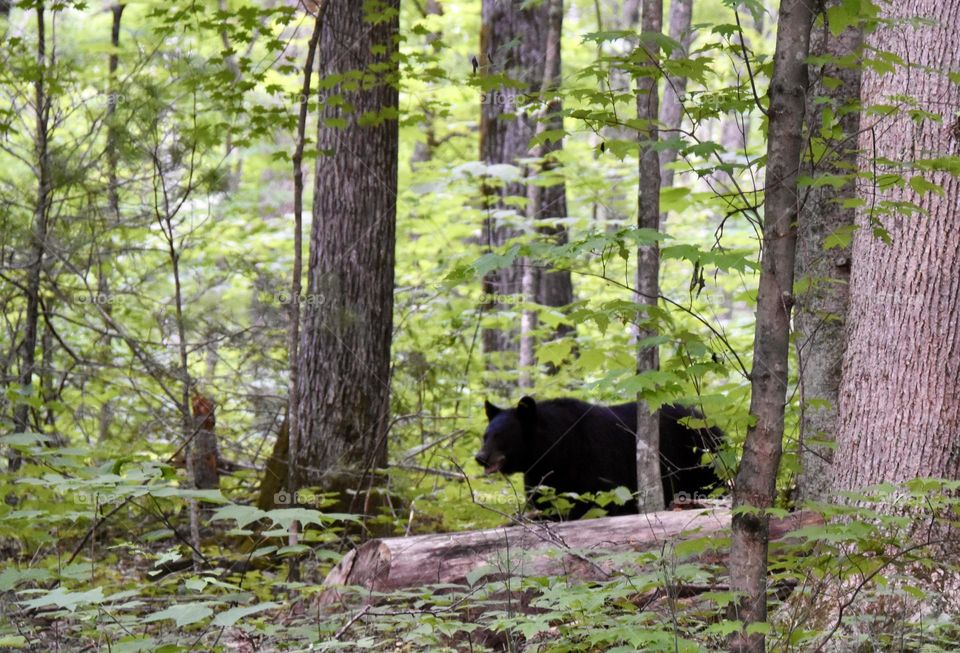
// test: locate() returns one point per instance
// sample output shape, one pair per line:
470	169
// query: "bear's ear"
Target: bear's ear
492	411
527	410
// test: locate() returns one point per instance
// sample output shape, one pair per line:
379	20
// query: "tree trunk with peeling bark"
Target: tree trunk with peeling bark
823	271
344	384
755	485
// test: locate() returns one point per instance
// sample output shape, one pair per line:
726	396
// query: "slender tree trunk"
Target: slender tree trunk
165	218
423	151
671	107
900	393
344	384
649	485
113	150
113	200
626	16
38	247
833	121
756	479
555	288
292	445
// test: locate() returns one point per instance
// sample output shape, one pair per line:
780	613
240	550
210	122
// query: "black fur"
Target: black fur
573	446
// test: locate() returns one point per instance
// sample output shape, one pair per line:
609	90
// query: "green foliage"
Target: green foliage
197	126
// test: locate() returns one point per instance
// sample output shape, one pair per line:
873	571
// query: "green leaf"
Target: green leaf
921	185
183	614
26	439
11	577
554	353
759	627
233	615
839	238
13	641
61	598
243	515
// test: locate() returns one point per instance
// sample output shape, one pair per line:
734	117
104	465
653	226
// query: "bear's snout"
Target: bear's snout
481	458
490	464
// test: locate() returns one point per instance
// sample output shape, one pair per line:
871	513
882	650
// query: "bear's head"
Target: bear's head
509	430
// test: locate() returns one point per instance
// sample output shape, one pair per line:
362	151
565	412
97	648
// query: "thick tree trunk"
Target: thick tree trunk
546	288
833	122
900	394
756	480
650	496
344	384
513	41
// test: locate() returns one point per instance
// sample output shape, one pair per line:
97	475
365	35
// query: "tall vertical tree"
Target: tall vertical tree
648	256
515	52
823	263
756	479
549	288
38	237
900	393
348	318
671	106
555	287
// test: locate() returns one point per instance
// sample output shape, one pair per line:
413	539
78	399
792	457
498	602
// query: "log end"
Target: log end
367	566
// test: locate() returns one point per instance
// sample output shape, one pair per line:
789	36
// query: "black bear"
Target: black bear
573	446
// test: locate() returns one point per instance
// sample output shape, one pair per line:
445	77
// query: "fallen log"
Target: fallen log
578	549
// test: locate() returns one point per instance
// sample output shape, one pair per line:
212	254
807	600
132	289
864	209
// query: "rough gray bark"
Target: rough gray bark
900	393
555	287
833	123
756	479
511	44
514	41
549	288
344	384
650	496
671	107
